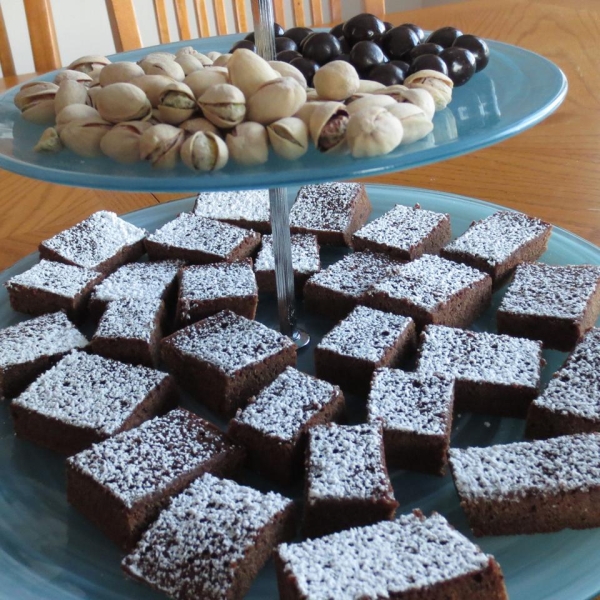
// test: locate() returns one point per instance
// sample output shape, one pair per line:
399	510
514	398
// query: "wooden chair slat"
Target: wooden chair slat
335	7
220	17
183	20
202	18
240	15
42	35
123	24
375	7
6	57
162	23
299	16
316	9
280	13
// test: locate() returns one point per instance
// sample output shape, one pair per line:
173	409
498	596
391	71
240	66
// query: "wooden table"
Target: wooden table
552	171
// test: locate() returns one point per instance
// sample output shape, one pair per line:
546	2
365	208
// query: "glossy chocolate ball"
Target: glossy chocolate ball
346	47
363	28
321	47
477	47
366	55
399	41
428	61
284	43
277	29
388	74
338	30
445	36
461	64
243	44
426	48
297	34
387	25
288	55
307	67
420	33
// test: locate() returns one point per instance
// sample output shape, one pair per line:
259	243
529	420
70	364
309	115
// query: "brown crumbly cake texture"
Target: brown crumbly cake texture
553	303
405	233
530	487
336	290
200	240
305	262
571	402
365	340
495	374
416	416
130	331
434	290
410	558
274	425
331	211
249	209
499	243
51	286
102	242
205	290
211	541
121	484
27	349
225	359
87	398
347	482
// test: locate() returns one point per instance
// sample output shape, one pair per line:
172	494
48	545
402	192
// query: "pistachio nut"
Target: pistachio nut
93	93
370	100
289	137
91	64
122	142
276	99
337	80
120	72
248	71
155	117
75	112
159	56
327	126
366	86
84	135
306	110
221	61
248	143
415	123
122	102
286	70
152	86
160	145
205	59
204	151
200	81
213	55
49	142
73	76
312	96
223	105
70	92
176	103
198	124
35	100
373	131
436	83
418	97
162	66
189	63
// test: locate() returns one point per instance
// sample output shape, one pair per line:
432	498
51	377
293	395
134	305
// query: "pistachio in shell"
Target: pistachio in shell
119	72
122	142
312	96
366	86
90	64
421	98
73	76
223	60
92	93
415	124
205	59
75	112
70	92
289	137
152	86
436	83
370	100
373	131
248	71
49	142
224	105
83	136
162	66
306	110
276	99
160	145
159	56
198	124
248	143
213	55
204	151
337	80
176	103
122	102
35	100
287	70
200	81
189	63
327	126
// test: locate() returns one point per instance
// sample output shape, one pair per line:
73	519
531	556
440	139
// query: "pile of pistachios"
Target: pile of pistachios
208	108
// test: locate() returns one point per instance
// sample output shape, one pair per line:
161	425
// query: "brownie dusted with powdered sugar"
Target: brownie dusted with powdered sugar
411	557
433	290
86	398
499	243
274	425
405	233
416	416
331	211
365	340
101	242
556	304
29	348
199	240
122	483
347	482
530	487
495	374
211	541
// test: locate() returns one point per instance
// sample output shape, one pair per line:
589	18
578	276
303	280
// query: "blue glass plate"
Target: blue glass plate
47	550
517	90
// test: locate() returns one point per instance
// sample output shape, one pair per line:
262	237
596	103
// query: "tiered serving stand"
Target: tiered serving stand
49	551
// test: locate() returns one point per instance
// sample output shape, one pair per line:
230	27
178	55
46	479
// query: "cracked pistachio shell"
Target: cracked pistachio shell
421	98
91	64
75	112
120	72
305	111
160	145
204	151
223	105
200	81
189	63
327	126
162	66
373	131
289	137
312	96
36	102
70	92
83	136
276	100
366	86
221	61
199	124
415	123
159	56
155	117
370	100
33	88
49	142
213	55
70	74
122	142
93	93
248	143
152	86
337	80
286	70
176	103
437	84
248	71
122	102
205	59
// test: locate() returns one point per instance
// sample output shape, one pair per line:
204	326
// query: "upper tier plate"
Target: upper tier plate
517	90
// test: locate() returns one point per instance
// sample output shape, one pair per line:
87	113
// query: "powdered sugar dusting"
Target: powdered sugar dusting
305	254
248	205
130	319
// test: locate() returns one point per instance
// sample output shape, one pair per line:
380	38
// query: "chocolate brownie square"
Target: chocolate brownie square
225	359
433	290
51	286
499	243
347	482
101	242
29	348
365	340
331	211
211	541
208	289
530	487
495	374
87	398
274	425
121	484
199	240
553	303
405	233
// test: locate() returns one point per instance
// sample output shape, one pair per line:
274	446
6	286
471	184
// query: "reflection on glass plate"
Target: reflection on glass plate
517	90
47	550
